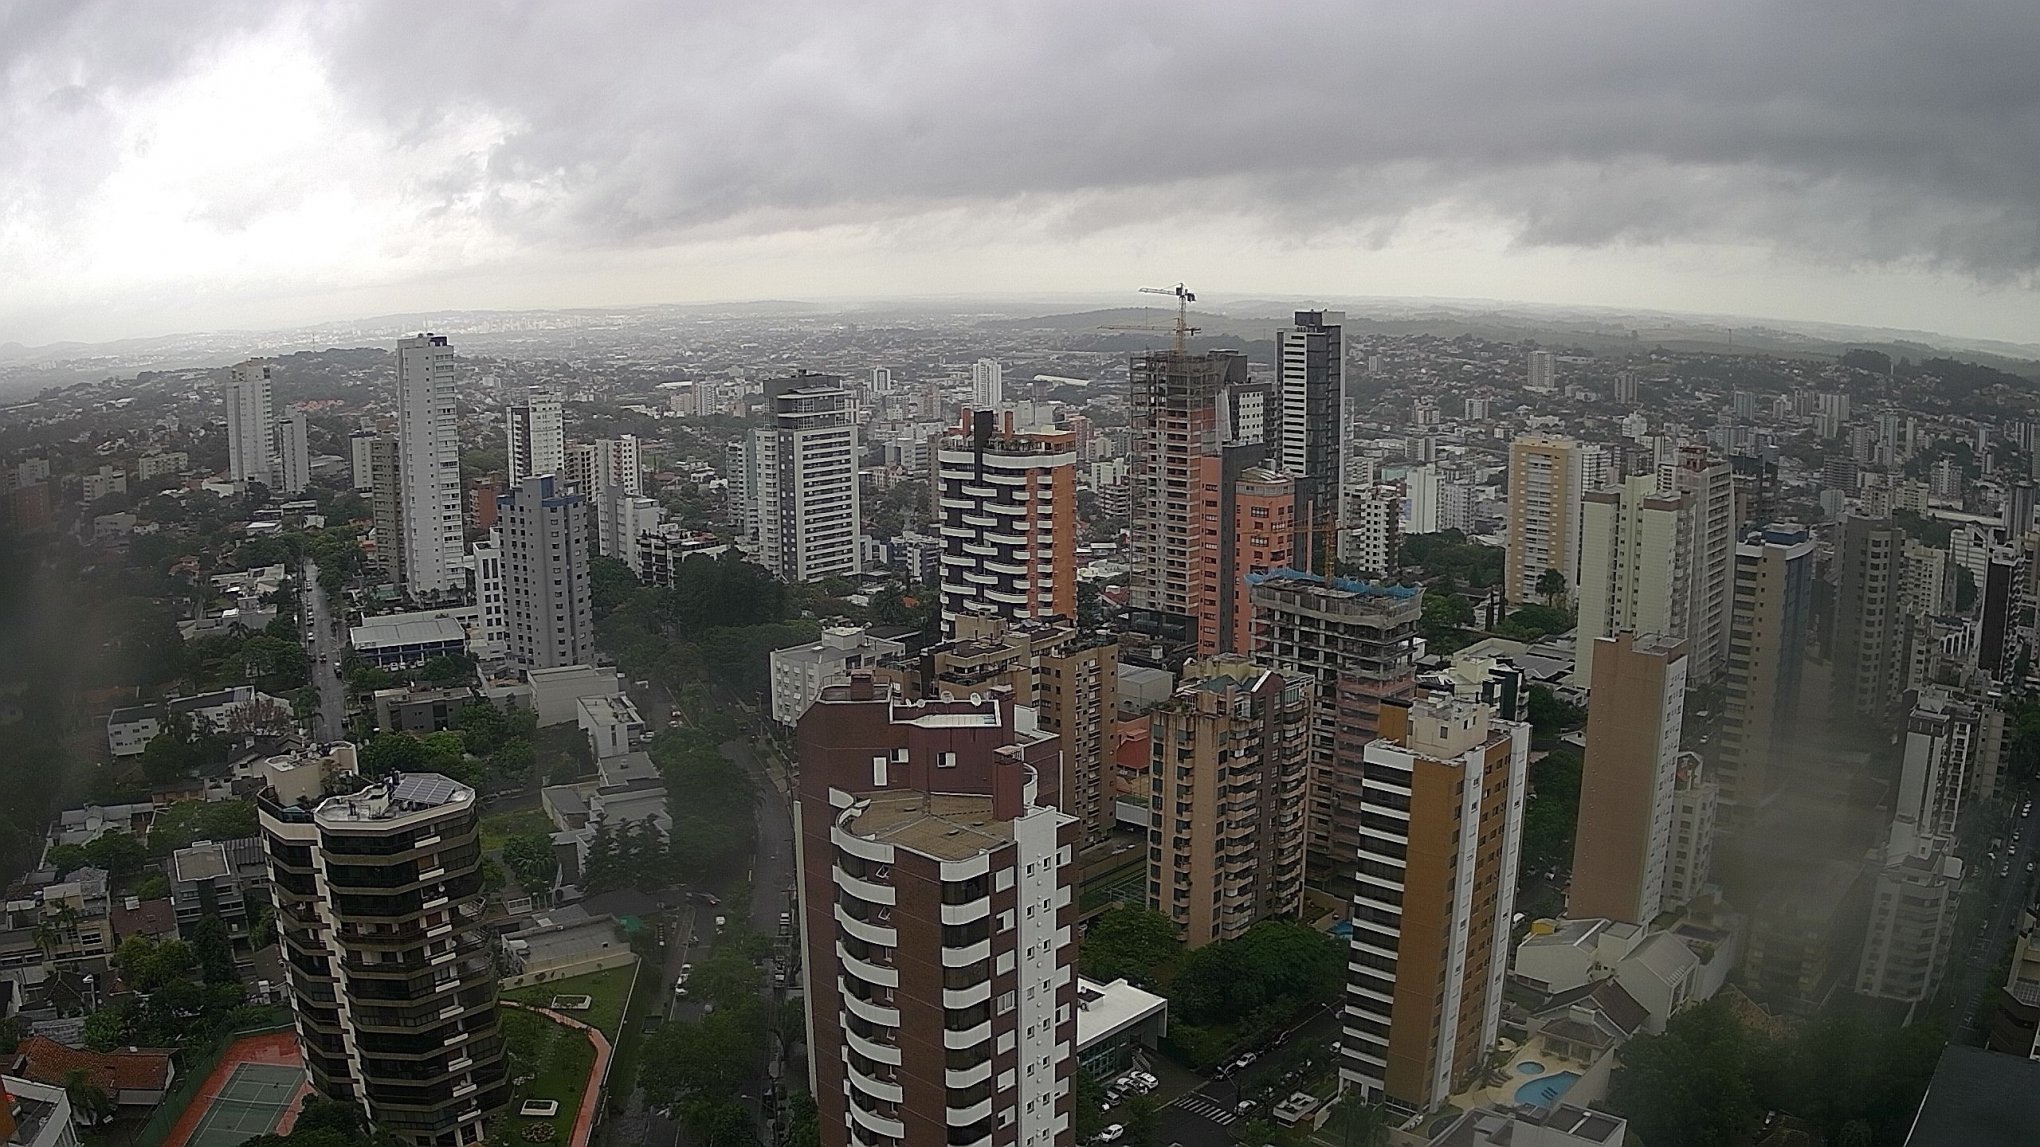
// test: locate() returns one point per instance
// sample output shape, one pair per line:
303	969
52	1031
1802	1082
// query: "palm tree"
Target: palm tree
89	1101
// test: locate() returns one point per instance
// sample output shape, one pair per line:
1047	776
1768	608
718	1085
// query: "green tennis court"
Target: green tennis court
251	1103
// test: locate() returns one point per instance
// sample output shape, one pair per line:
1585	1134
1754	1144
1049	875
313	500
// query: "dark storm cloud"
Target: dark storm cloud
1880	131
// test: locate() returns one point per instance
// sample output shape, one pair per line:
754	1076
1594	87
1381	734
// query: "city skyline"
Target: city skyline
239	170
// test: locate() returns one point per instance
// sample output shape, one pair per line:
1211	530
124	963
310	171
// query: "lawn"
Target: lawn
608	988
557	1059
501	826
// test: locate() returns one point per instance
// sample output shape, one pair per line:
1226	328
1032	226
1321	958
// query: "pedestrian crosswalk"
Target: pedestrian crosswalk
1209	1108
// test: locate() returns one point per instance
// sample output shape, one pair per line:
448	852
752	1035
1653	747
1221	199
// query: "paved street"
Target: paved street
327	650
1976	965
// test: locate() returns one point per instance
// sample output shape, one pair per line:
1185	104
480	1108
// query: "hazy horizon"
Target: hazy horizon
260	166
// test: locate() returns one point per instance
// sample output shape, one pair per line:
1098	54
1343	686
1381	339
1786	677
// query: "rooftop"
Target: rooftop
944	826
408	629
1104	1010
204	860
1979	1099
44	1060
400	795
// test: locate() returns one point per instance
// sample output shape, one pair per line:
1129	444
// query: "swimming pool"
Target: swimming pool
1544	1091
1530	1067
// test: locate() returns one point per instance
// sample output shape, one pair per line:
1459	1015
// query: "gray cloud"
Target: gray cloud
1868	131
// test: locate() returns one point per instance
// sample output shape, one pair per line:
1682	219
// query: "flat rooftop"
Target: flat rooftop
399	796
945	826
202	861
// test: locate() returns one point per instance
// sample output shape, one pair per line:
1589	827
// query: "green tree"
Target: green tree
1689	1087
120	854
1131	941
214	951
387	753
1143	1119
1552	812
530	858
1552	587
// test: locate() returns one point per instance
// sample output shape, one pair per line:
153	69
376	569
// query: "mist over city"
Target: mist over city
1019	575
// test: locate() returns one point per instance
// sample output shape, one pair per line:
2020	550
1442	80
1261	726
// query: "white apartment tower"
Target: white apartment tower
1636	564
1375	533
293	454
251	422
805	498
545	574
987	385
1708	485
429	445
361	458
1543	372
536	436
485	586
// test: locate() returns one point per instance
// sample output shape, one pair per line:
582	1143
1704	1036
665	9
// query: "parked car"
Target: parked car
1112	1133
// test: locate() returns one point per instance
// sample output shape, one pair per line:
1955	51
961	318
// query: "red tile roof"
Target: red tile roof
46	1061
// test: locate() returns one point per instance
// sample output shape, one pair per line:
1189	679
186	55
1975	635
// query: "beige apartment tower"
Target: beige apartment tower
1431	909
1545	482
1229	763
1628	789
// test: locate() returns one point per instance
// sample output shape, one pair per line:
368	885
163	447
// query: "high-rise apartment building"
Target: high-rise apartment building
535	436
1374	530
1544	514
1708	485
251	422
936	882
1625	388
617	463
1174	424
1230	762
805	496
1868	627
1310	385
546	554
1695	798
1436	889
1636	566
293	454
386	500
1255	530
379	904
1622	855
360	465
987	385
1356	642
1770	628
429	441
1005	504
1543	372
1422	494
485	589
1069	678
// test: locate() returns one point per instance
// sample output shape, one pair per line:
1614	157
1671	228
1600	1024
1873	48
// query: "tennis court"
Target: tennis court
251	1102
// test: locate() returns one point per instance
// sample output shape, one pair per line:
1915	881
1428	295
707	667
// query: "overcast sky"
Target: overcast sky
190	166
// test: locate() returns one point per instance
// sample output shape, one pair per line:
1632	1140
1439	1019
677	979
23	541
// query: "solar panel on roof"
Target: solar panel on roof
425	789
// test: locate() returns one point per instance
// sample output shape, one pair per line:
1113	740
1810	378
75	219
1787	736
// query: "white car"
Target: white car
1112	1133
1150	1081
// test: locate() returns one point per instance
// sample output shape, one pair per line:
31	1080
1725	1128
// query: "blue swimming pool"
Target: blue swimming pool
1545	1091
1530	1067
1343	930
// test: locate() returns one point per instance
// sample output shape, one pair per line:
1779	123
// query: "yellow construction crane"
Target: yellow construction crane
1182	330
